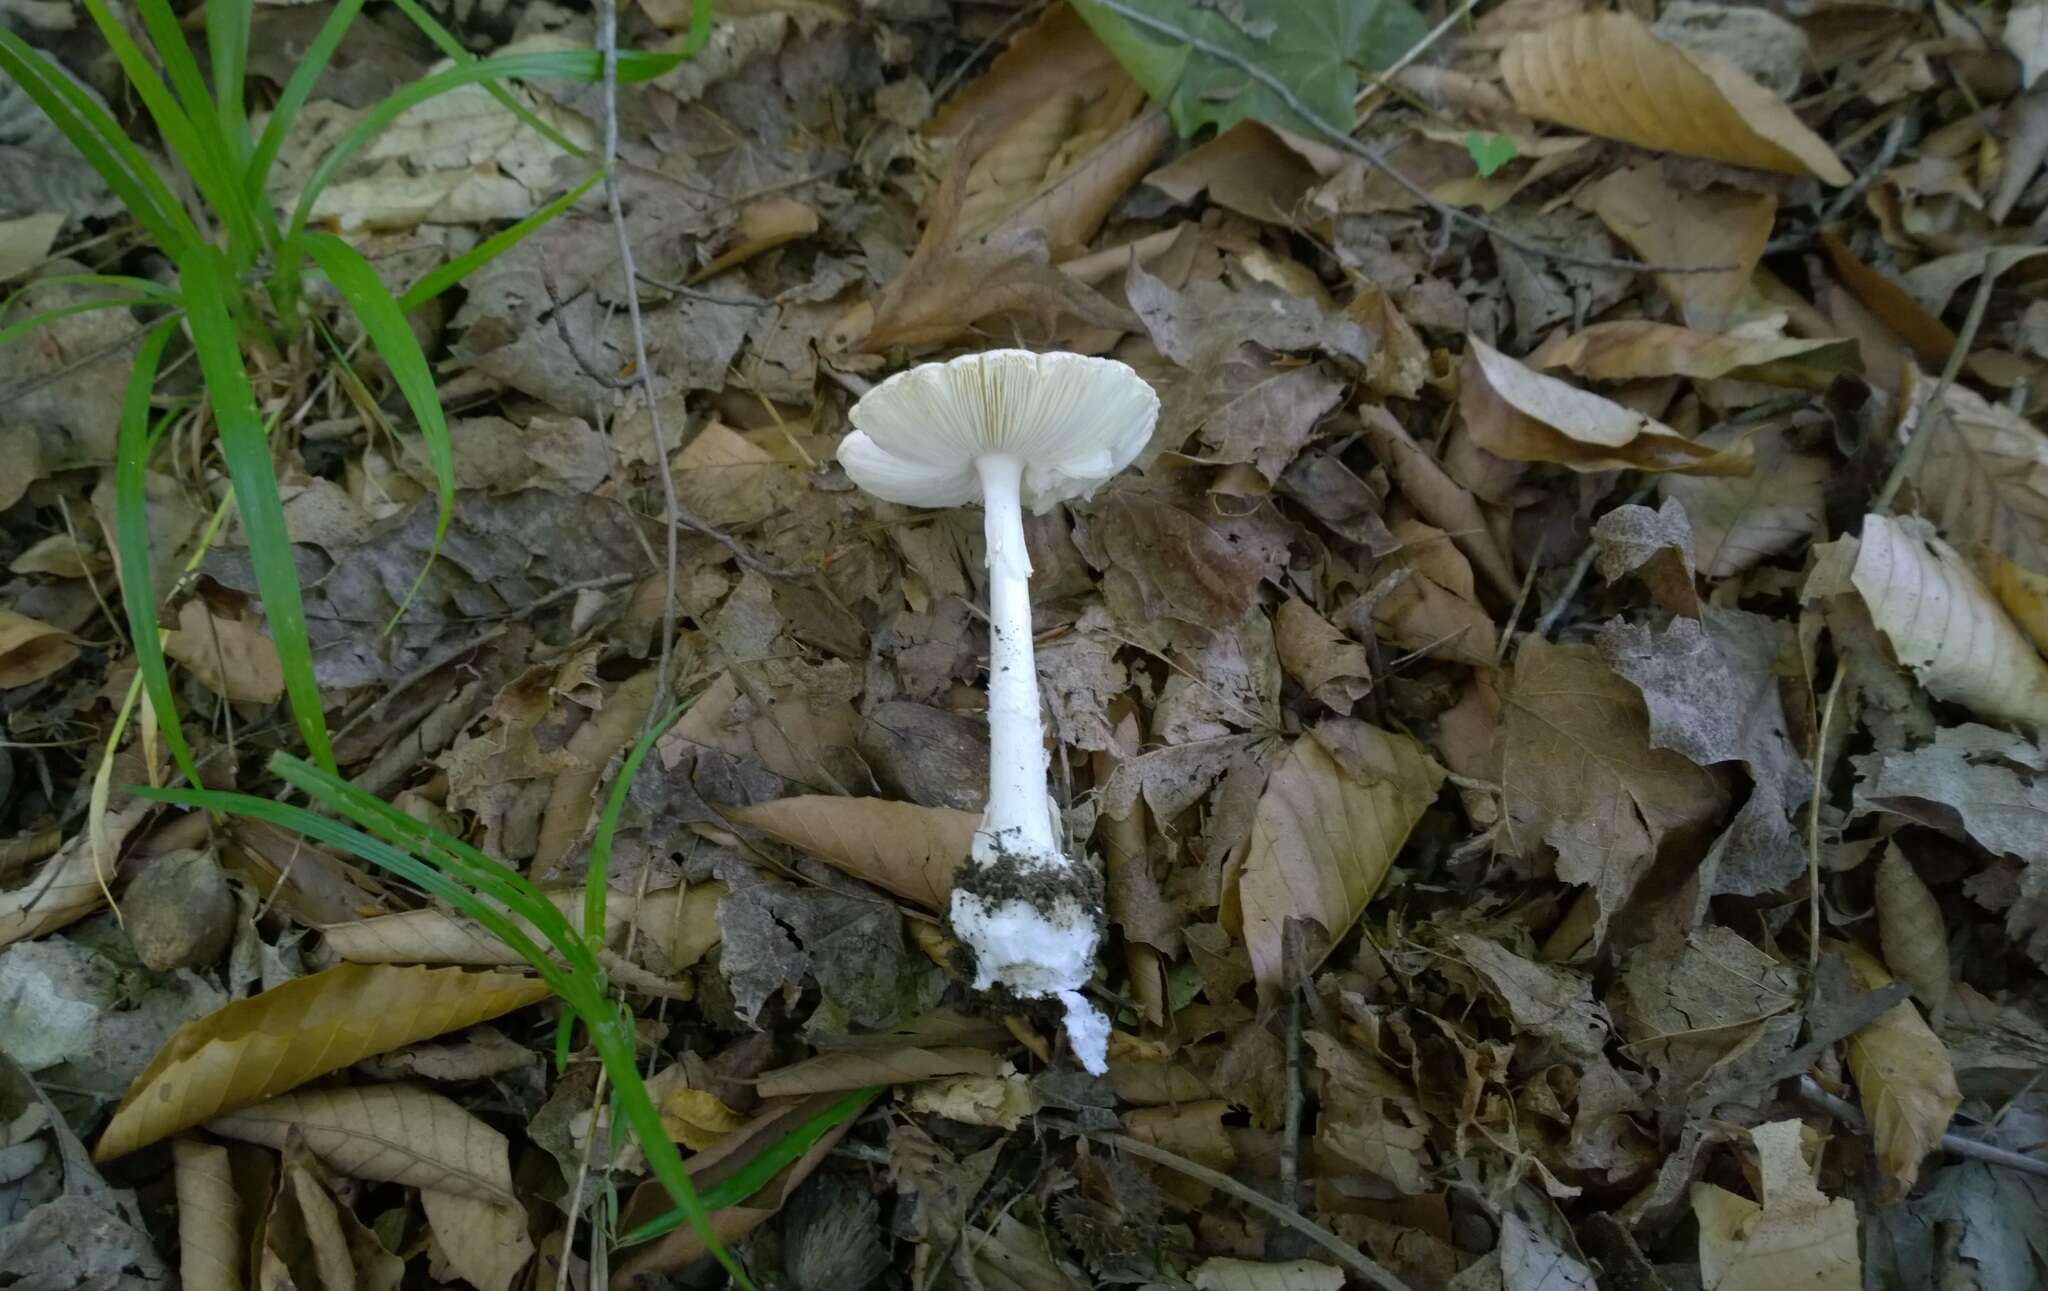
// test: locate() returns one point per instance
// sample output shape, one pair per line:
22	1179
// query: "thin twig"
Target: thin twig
1935	407
1887	153
1580	568
559	315
1820	762
1417	50
1378	160
708	297
1960	1145
1347	1254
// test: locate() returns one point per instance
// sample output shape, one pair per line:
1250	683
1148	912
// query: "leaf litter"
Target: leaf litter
1564	739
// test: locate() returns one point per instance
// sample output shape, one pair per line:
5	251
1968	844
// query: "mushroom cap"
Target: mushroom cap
1071	420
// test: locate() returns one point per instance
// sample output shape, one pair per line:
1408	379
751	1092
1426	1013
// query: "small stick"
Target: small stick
1378	160
1959	1145
1347	1254
1935	408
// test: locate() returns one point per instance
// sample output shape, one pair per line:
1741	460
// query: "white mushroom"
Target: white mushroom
1014	429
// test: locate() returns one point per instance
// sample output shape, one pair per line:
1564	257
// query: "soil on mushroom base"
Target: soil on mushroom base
1011	876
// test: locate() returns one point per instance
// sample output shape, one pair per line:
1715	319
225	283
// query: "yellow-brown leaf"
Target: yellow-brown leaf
1607	74
1903	1073
910	850
391	1133
255	1049
209	1218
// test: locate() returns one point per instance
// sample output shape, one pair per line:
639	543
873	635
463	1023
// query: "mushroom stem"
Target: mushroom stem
1018	821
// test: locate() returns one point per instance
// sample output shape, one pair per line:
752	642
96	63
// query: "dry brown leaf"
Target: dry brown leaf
1607	74
694	1118
257	1048
1222	1273
1739	521
773	1121
1983	474
1431	605
485	1243
1248	169
2022	592
1911	930
1635	349
1904	1077
859	1068
1669	225
1058	54
724	478
209	1218
431	936
232	657
70	885
1437	497
1334	815
1796	1238
1016	161
1577	773
1892	304
1945	625
900	847
953	282
1335	670
31	650
1517	413
391	1133
764	224
310	1242
61	555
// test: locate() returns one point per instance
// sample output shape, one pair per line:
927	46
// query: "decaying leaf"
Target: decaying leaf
1945	625
1335	814
1903	1075
484	1242
1607	74
1670	225
1578	774
1515	412
1983	476
1637	349
393	1133
903	848
1740	521
31	650
1911	930
232	656
1334	669
258	1048
1794	1236
210	1253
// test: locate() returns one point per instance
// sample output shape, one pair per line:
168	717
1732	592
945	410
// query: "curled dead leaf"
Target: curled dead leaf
1634	349
1608	74
254	1049
31	650
1334	815
390	1133
1517	413
1904	1076
1945	625
900	847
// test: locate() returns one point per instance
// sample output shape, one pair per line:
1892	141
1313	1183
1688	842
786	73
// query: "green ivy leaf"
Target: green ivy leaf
1317	48
1490	151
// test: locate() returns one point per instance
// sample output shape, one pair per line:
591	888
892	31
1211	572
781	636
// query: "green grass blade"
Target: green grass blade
569	64
452	49
326	829
614	1043
598	871
16	330
200	149
209	288
140	286
227	43
488	876
296	91
131	539
384	323
436	281
764	1166
102	143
